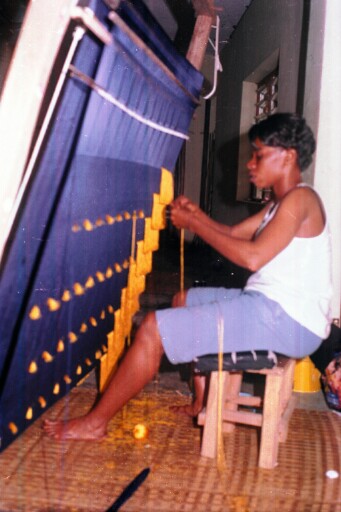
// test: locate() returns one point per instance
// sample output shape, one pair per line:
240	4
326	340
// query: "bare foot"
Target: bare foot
81	429
191	410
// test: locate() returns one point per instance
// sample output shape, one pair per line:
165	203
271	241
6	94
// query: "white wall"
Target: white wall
322	108
268	27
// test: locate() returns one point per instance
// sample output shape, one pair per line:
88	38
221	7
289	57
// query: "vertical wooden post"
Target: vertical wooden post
197	48
205	12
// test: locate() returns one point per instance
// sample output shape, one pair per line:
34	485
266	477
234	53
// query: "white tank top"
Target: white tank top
299	279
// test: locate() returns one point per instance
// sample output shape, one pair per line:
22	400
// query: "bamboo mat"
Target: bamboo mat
38	474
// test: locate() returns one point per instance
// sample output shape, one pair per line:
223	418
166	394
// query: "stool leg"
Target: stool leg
209	436
288	399
270	424
232	386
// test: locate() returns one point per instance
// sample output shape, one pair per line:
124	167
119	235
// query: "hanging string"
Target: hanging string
132	259
133	236
182	260
220	442
217	63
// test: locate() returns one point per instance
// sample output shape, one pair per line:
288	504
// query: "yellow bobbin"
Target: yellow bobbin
306	377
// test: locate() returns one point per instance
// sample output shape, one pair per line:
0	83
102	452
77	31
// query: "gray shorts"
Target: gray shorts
250	321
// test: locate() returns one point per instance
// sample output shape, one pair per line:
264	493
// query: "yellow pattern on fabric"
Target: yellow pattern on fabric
140	264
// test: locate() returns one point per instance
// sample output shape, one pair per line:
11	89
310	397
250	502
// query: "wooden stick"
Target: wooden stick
220	440
197	48
182	260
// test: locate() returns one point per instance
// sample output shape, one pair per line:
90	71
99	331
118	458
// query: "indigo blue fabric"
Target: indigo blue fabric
97	164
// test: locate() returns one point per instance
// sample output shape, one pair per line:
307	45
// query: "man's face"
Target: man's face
266	165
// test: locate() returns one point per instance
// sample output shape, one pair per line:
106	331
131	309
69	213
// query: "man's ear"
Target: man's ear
291	156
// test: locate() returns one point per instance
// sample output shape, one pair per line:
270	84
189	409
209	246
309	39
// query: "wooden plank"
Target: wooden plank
243	417
284	423
42	33
210	433
233	384
271	420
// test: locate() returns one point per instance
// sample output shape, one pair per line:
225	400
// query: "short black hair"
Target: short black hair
287	131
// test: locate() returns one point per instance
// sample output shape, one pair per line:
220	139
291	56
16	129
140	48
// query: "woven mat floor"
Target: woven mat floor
38	474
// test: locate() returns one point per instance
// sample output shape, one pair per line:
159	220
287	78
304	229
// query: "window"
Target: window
259	100
267	92
266	104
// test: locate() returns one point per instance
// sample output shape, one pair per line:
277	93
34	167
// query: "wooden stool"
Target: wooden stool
276	405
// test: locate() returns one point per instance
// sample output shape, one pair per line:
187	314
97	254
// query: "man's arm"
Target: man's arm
251	254
244	229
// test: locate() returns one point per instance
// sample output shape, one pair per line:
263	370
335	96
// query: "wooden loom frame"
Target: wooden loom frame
16	137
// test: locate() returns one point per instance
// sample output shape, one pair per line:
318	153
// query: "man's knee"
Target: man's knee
179	299
148	334
148	331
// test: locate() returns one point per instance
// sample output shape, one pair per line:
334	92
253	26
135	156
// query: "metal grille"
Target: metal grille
267	93
266	104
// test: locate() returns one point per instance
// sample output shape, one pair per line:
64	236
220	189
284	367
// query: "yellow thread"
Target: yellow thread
83	328
60	346
102	316
109	273
33	368
104	348
127	215
166	186
78	289
140	214
87	225
53	304
48	358
109	219
88	362
13	428
29	413
118	268
72	337
98	354
110	309
119	217
66	297
75	228
67	379
158	213
42	402
35	313
100	277
79	370
90	282
151	236
125	264
93	321
99	222
56	389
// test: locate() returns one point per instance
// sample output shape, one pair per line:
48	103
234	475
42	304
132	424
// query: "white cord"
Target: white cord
108	97
217	63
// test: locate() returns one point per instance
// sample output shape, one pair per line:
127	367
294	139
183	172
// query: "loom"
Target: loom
90	203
